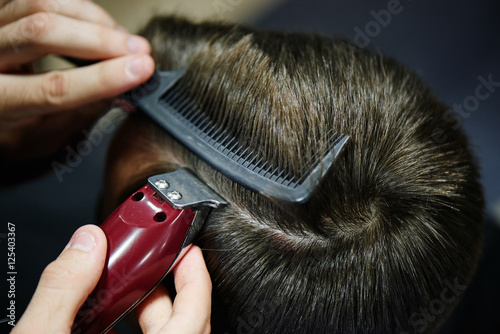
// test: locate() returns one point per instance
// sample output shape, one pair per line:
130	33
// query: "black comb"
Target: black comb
176	112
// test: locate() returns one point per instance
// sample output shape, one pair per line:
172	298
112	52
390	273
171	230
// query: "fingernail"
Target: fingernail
135	67
137	44
83	241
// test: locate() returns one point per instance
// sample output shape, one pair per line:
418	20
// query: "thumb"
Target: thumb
66	283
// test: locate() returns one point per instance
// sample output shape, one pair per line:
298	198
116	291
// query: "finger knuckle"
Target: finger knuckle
105	40
102	78
55	87
35	26
56	276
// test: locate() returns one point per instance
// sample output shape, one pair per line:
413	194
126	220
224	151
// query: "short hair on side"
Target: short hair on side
396	221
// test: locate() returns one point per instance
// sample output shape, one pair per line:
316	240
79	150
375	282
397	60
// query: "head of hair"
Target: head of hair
393	224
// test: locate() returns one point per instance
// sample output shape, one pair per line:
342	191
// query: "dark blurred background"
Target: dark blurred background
453	45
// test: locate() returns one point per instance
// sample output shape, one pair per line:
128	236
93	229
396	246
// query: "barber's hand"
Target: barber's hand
190	311
66	283
40	112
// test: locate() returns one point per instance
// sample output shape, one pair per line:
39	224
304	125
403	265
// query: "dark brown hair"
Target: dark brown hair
397	220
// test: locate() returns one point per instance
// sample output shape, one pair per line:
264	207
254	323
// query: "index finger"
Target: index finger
82	10
192	304
28	96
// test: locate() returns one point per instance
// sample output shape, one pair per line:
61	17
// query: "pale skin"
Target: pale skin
66	283
40	111
34	106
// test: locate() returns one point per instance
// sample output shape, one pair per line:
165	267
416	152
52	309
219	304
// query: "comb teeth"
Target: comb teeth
172	108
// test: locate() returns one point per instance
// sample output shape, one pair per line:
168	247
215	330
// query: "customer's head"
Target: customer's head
395	223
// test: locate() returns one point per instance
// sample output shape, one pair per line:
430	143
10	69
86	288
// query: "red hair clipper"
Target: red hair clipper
146	236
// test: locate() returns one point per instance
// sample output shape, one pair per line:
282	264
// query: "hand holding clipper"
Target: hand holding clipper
146	236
